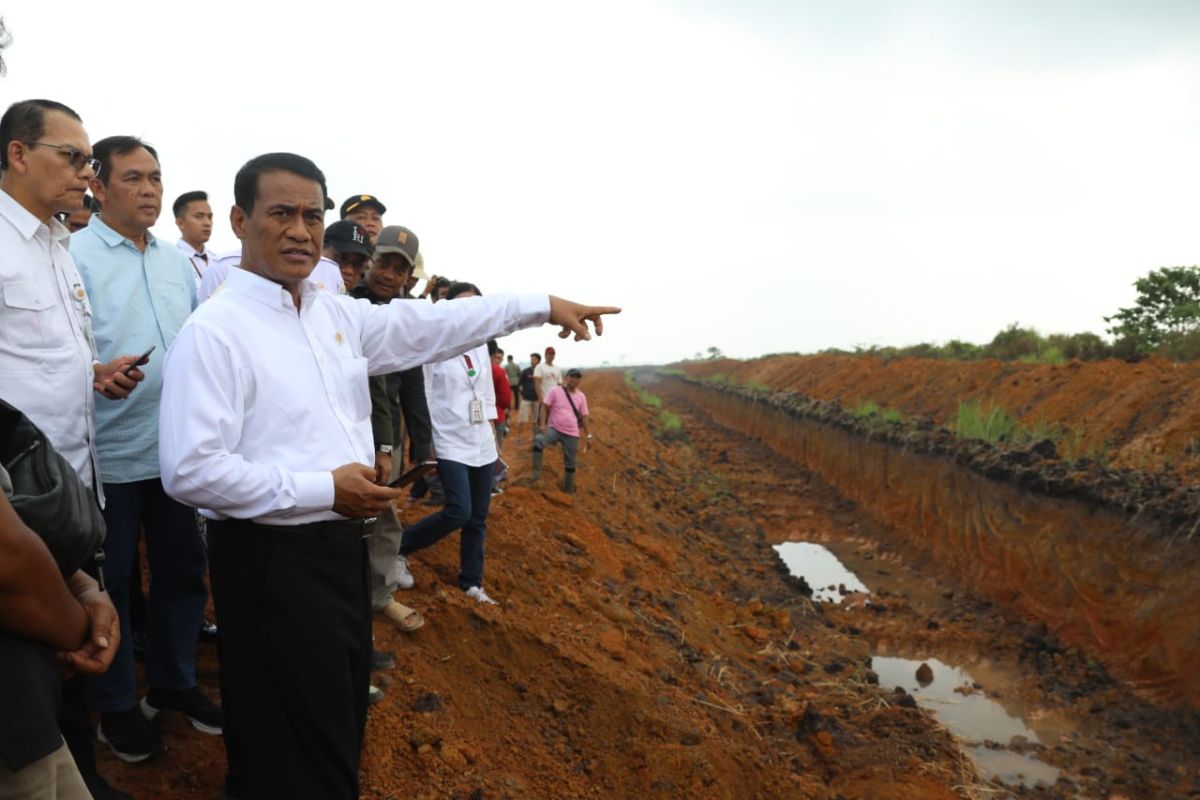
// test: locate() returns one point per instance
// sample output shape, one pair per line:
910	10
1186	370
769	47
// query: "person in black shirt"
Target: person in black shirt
393	260
529	407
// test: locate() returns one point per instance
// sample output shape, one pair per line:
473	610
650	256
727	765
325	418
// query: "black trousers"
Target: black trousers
293	608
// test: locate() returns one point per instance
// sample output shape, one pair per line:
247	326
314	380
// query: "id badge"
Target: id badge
477	410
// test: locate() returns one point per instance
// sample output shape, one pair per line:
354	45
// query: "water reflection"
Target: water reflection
969	714
821	569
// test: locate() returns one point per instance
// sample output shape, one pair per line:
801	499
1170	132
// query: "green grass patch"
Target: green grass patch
864	410
670	423
988	423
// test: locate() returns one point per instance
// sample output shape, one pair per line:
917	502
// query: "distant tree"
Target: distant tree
1166	311
1012	343
714	352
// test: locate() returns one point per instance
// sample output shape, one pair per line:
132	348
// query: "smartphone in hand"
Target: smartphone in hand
412	474
144	358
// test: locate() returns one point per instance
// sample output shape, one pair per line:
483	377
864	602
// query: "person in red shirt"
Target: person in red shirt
503	391
503	402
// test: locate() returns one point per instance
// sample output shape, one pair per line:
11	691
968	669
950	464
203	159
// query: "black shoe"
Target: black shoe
381	660
204	714
129	735
100	789
208	631
374	695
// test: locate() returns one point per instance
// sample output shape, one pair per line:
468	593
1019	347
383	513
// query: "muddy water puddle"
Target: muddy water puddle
999	737
992	735
828	577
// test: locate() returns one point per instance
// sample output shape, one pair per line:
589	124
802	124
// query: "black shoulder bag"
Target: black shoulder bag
48	495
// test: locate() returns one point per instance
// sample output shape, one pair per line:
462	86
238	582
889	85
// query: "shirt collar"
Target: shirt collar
269	293
26	223
110	237
190	251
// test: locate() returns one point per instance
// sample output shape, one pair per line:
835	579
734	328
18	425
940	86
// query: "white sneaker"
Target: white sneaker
477	593
404	578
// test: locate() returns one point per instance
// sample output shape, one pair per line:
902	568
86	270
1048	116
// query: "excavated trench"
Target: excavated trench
1120	586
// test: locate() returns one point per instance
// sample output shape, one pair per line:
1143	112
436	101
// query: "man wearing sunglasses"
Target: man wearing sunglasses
48	370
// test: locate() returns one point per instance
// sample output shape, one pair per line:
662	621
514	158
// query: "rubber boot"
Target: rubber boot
537	464
569	483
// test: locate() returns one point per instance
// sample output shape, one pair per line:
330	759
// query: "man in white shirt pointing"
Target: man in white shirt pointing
265	426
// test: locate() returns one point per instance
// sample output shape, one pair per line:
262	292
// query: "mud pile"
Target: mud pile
1143	416
646	646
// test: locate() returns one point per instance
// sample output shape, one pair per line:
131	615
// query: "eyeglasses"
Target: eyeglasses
75	157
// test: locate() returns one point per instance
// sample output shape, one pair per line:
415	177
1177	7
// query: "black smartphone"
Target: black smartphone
412	474
142	359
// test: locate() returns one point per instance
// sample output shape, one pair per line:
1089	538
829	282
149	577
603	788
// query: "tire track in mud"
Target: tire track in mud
1103	740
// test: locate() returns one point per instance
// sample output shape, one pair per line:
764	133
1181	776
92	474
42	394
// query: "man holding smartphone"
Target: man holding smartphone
142	291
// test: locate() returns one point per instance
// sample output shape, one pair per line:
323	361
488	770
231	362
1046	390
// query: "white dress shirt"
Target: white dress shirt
46	348
449	390
201	260
327	275
260	403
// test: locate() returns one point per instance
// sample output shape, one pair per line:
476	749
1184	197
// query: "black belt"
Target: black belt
333	527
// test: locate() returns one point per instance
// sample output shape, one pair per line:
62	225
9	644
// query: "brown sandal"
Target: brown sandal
405	618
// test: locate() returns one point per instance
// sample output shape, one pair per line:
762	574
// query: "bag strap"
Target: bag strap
571	402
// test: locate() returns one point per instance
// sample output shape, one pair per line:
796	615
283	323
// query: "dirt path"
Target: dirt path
1072	720
647	645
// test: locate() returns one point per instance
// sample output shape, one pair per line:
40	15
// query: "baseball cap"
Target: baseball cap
347	236
358	200
398	239
419	267
574	372
550	350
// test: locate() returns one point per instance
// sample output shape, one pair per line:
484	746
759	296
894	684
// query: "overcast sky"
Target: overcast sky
760	176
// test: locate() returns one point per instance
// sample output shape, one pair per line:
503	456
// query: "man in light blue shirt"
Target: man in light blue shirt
142	290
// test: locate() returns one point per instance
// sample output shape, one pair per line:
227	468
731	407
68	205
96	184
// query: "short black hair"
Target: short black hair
110	146
493	348
245	185
181	202
90	204
535	356
461	287
25	121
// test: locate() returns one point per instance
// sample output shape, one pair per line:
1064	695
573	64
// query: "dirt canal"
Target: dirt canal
1050	690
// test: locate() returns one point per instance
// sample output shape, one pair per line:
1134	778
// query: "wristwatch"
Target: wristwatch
386	449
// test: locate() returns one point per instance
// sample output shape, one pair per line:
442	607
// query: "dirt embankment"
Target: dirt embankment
646	646
1105	557
1144	416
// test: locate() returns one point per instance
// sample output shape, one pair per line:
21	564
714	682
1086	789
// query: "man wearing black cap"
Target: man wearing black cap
396	251
366	210
348	245
562	419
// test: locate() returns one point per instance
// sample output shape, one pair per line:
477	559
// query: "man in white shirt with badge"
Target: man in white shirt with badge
48	368
265	427
194	218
